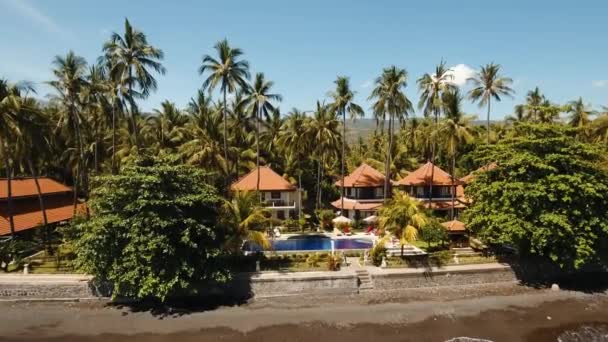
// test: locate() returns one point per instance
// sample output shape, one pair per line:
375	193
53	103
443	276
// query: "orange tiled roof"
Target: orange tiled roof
469	178
422	176
269	181
350	204
27	213
24	187
454	226
363	176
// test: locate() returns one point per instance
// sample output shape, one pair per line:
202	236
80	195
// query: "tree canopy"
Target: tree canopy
548	196
152	232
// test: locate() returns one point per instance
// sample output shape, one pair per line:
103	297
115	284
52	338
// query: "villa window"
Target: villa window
280	215
275	194
379	192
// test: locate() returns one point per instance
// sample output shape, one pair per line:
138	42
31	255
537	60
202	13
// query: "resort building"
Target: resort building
58	202
363	193
282	198
471	176
418	185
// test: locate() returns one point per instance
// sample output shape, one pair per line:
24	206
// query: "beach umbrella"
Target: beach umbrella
371	219
341	220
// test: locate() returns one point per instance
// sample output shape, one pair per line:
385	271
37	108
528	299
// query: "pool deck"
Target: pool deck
330	235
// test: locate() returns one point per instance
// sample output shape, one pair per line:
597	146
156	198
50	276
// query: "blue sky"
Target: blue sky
557	45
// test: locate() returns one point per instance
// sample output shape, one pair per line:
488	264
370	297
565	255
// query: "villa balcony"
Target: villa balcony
436	197
279	204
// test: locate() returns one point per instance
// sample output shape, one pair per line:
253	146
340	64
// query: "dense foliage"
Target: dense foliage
548	196
152	232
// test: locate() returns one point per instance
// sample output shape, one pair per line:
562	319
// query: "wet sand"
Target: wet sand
499	312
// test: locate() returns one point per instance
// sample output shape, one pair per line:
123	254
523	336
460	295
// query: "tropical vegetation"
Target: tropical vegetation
92	133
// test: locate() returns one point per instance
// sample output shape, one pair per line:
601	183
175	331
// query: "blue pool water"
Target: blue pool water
313	243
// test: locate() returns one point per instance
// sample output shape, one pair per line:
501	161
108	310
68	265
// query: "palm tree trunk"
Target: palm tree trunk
343	154
96	158
318	184
453	184
114	171
433	147
226	139
39	192
299	191
78	175
133	121
387	167
257	147
488	123
9	190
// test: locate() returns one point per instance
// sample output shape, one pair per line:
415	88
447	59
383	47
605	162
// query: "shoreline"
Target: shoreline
388	314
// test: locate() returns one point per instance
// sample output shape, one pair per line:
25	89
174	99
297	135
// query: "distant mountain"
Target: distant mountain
365	127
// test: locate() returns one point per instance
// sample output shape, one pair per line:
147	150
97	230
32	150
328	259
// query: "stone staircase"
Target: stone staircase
365	280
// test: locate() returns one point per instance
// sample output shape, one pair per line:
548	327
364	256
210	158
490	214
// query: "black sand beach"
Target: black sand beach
498	312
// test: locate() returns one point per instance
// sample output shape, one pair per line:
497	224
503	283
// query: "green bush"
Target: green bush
442	257
377	253
334	262
313	260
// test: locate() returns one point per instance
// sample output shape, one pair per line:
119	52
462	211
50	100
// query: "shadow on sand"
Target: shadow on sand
542	273
234	293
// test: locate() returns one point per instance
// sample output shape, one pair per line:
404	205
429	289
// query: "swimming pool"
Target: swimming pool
313	243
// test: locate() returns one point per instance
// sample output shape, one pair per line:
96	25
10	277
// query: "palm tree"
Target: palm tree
33	141
455	131
240	126
70	73
95	103
343	102
432	88
402	216
202	142
580	115
228	72
519	115
390	99
534	100
10	107
271	129
245	219
600	127
291	138
132	59
323	131
488	83
166	126
260	103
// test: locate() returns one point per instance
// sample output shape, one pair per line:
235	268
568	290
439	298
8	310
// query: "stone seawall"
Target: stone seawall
269	284
50	287
406	279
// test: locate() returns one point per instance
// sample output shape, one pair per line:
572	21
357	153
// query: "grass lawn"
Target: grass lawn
424	245
46	264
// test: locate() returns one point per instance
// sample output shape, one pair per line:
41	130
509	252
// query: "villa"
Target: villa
363	193
447	191
280	197
58	201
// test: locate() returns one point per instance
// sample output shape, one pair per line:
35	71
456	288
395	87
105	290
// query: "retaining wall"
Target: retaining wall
268	284
406	280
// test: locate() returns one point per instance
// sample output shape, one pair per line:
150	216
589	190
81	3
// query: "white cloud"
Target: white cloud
599	83
460	74
367	84
26	9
